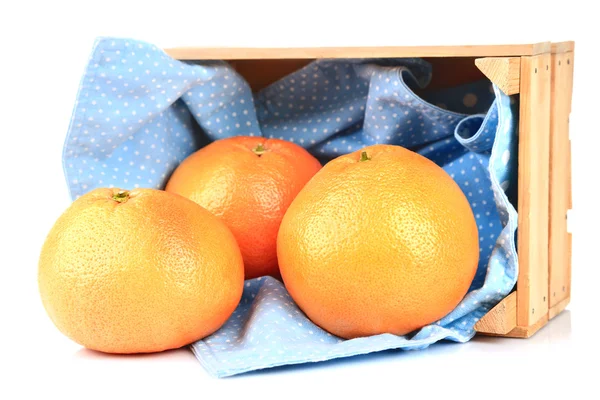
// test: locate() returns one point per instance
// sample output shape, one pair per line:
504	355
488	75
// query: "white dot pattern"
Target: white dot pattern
139	113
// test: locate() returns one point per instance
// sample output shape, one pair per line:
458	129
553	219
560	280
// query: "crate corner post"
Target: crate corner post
559	256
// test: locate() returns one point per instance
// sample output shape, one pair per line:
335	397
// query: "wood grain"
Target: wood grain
503	71
533	187
501	319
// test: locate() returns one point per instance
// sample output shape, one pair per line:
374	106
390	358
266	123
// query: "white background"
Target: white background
43	50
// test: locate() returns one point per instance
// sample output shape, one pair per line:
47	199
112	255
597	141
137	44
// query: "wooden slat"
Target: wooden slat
503	71
235	53
533	175
560	186
501	319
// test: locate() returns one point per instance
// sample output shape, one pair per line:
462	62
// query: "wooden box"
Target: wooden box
542	74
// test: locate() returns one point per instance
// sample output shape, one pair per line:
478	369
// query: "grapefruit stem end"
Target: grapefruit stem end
121	196
259	150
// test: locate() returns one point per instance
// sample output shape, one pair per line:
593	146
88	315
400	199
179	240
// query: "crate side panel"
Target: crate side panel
560	183
534	151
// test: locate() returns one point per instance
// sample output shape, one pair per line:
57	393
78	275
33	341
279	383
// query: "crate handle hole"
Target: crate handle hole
568	61
535	71
546	68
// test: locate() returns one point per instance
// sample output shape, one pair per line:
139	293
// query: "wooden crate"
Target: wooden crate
543	75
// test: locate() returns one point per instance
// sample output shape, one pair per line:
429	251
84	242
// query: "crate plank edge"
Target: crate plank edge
542	73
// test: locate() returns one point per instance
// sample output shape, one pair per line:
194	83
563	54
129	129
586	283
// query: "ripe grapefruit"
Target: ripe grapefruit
379	241
248	182
138	272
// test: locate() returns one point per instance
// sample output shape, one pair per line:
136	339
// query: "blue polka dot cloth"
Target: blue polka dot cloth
139	113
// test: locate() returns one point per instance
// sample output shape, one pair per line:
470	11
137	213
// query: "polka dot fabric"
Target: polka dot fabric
139	113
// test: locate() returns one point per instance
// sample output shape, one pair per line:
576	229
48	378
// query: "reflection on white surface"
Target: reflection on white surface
552	337
68	369
170	356
555	336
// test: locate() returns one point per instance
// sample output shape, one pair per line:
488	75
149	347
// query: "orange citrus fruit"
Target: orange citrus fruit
379	241
138	272
248	182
